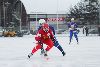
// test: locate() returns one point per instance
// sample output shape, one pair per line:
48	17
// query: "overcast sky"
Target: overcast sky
49	6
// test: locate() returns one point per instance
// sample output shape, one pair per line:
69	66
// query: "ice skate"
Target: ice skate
42	52
30	55
63	53
77	42
45	53
69	43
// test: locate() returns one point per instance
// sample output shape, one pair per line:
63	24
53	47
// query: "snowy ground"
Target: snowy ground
14	51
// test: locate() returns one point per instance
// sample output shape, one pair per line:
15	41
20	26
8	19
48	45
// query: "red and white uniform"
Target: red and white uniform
45	37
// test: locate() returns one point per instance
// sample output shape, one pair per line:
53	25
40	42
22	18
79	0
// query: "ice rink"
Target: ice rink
14	51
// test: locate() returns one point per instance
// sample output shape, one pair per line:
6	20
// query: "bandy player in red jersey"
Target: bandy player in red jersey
44	36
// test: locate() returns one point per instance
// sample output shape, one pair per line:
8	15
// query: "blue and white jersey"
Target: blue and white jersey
72	26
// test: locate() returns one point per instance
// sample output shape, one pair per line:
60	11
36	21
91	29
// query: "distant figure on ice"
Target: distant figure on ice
87	31
73	30
56	43
44	36
84	29
99	30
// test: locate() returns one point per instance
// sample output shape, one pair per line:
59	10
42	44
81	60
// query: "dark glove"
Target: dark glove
39	42
54	39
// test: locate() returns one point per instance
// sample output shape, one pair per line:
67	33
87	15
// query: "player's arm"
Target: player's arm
52	28
38	37
52	36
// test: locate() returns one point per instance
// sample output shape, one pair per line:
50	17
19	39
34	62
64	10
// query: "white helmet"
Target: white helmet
41	21
72	19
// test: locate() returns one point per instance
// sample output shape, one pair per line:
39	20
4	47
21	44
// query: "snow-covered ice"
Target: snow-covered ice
14	51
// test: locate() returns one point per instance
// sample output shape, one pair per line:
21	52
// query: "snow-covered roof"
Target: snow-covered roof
48	6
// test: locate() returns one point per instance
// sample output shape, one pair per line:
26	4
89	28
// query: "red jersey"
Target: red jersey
44	36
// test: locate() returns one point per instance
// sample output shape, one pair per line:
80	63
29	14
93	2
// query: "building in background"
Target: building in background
99	11
13	15
53	19
20	15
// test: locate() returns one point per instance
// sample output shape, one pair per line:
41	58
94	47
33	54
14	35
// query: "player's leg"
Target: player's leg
75	35
71	34
42	49
38	46
49	44
56	44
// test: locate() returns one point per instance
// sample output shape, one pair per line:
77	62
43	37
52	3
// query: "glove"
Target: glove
39	42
